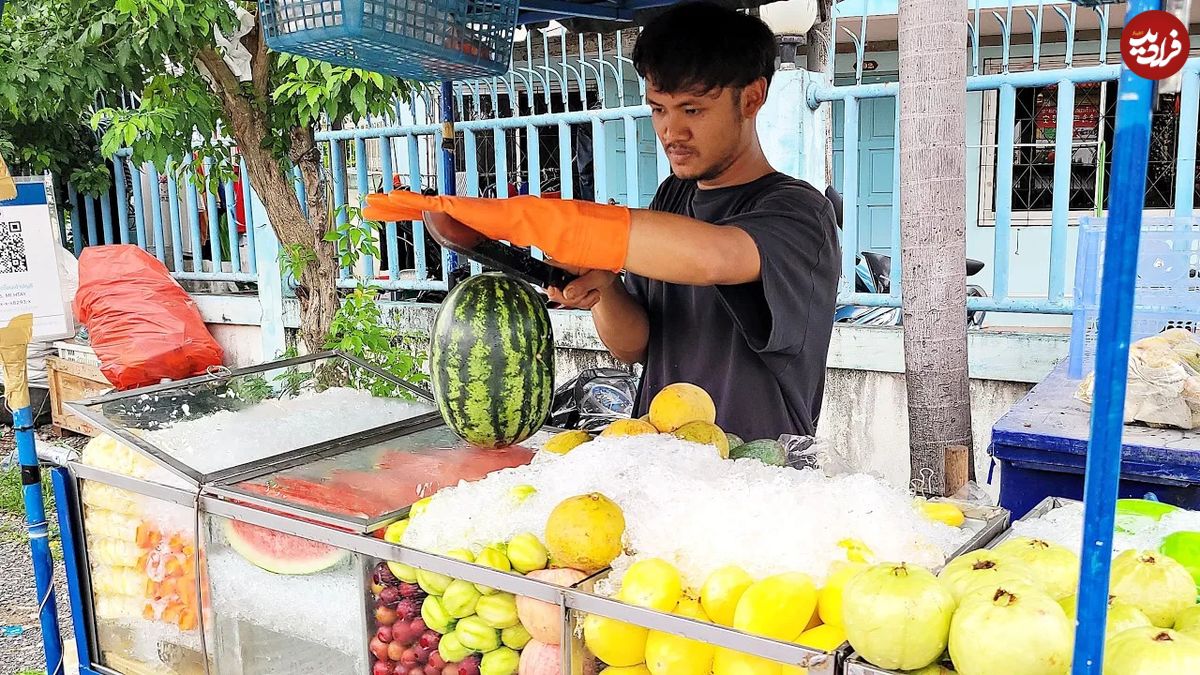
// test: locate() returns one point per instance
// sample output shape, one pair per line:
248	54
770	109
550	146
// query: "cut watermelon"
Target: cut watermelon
281	553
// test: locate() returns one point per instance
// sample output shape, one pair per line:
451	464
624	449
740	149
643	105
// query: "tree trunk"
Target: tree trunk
819	37
298	234
932	40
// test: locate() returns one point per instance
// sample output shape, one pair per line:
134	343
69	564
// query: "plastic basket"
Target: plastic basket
1166	291
411	39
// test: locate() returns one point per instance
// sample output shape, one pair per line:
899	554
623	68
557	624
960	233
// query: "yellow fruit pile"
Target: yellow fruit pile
681	409
786	607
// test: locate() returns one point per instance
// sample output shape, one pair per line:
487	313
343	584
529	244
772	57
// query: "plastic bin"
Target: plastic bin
413	39
1166	293
1041	447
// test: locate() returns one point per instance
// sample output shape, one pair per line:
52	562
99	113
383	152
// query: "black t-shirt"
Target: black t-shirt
759	348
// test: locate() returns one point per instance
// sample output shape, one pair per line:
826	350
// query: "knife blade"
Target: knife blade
458	237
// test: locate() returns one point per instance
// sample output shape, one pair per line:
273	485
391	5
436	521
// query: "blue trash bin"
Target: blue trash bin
1040	445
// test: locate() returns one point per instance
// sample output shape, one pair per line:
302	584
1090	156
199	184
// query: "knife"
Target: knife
454	235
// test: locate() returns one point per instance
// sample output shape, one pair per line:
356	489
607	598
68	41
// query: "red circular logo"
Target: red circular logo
1155	45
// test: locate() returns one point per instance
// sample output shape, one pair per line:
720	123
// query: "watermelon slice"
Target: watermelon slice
281	553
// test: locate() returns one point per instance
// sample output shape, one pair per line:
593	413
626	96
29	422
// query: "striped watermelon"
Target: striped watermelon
492	360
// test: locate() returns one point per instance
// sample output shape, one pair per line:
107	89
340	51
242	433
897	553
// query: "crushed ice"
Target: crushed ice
275	426
685	504
322	608
1064	526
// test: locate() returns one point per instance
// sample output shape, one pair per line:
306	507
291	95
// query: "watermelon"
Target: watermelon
281	553
492	360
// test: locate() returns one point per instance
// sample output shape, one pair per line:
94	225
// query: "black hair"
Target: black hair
700	46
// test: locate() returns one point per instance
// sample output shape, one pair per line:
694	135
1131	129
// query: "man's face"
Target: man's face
701	133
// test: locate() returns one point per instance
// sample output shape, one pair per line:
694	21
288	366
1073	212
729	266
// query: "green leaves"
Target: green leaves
355	238
359	328
308	90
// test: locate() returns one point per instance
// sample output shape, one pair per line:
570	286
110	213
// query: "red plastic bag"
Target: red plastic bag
143	325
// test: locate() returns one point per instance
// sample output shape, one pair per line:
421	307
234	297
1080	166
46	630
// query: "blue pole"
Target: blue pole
66	504
1102	477
448	174
39	538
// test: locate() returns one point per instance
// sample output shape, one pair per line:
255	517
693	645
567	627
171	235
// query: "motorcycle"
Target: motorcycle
872	274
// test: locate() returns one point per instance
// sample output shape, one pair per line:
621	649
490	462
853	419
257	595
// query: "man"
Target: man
731	274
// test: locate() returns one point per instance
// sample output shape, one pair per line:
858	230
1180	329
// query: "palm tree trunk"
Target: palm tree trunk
932	44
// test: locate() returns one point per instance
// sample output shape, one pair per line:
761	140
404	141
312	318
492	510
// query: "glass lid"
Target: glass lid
229	422
365	487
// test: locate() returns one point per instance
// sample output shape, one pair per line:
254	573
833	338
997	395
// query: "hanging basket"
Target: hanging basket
426	40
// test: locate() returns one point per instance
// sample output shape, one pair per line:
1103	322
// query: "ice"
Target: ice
324	608
685	504
274	426
1064	526
148	638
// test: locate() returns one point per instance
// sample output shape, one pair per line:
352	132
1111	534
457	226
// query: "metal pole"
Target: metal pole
14	348
1131	140
39	537
449	185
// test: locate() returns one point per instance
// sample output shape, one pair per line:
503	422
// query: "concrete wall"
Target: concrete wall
864	417
864	421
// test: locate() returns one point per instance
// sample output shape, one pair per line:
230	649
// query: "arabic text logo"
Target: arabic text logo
1155	45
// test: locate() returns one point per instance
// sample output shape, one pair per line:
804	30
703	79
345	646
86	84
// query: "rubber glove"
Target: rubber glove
381	209
579	233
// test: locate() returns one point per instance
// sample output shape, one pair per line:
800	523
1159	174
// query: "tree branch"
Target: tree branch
224	81
260	61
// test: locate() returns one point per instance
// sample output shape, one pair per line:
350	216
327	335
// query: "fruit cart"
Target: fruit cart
245	522
280	561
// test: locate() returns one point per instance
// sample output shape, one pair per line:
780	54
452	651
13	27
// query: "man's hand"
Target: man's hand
585	291
620	321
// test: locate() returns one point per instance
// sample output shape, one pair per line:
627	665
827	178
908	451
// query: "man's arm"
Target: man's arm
621	321
655	244
622	324
683	250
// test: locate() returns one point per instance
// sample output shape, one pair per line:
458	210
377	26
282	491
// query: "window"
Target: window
1033	158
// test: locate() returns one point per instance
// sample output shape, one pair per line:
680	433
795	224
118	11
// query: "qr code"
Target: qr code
12	249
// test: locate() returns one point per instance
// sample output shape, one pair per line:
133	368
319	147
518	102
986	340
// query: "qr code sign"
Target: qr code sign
12	249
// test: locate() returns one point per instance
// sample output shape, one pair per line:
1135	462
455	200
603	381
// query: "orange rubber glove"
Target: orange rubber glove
579	233
380	208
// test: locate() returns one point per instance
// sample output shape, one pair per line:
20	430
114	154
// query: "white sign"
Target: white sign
31	280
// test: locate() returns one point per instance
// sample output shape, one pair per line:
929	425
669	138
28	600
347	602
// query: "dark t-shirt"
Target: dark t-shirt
759	348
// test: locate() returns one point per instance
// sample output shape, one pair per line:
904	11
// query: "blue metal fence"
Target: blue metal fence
571	97
1036	17
198	234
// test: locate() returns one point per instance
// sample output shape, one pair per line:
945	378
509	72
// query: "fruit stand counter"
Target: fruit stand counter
1020	591
322	439
318	516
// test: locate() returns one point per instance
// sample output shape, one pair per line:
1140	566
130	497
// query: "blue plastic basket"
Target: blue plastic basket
413	39
1166	293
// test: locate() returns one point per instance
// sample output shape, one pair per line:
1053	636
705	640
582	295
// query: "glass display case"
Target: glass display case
207	428
248	522
321	439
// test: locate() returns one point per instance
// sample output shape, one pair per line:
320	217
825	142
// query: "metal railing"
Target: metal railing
199	234
1041	18
569	120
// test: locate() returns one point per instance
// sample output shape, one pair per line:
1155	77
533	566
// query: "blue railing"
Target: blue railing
521	133
187	234
1005	84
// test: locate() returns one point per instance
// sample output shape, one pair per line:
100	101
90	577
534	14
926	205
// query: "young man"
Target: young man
731	273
